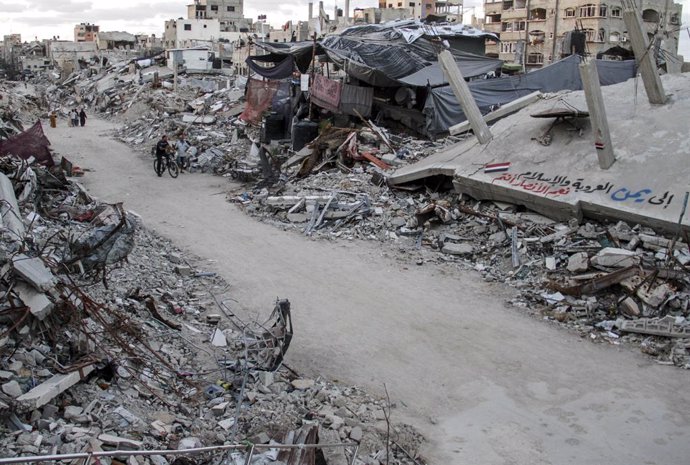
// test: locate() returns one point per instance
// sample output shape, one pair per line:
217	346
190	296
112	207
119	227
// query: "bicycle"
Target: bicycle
166	163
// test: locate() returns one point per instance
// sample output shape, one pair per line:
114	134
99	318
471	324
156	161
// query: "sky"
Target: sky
44	19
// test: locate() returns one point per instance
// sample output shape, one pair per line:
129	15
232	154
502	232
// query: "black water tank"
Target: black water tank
303	133
273	128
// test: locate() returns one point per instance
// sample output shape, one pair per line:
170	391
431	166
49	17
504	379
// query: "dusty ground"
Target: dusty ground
484	383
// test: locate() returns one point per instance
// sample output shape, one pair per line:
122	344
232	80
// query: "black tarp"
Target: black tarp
384	55
385	59
283	66
443	111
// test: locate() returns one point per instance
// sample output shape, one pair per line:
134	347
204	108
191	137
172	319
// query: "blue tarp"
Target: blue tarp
442	109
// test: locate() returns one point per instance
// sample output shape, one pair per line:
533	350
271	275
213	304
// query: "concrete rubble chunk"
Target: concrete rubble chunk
227	423
578	262
302	384
457	249
356	434
34	271
38	303
51	388
72	411
12	389
656	296
190	443
668	326
611	257
120	442
332	455
629	307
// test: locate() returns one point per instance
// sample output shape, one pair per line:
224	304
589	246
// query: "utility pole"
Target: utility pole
641	48
597	113
464	96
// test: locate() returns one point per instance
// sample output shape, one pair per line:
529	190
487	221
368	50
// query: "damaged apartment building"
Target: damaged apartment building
535	33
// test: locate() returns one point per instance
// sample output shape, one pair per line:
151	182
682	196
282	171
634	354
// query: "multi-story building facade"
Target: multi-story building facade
85	32
420	9
227	12
533	32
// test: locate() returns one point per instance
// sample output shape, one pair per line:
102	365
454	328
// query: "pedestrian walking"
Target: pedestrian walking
82	117
182	146
74	116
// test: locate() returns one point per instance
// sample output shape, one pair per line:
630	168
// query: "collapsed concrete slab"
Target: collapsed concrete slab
33	271
51	388
38	303
559	175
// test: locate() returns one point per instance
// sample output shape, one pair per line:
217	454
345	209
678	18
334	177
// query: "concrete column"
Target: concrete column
346	13
597	114
311	10
643	55
462	93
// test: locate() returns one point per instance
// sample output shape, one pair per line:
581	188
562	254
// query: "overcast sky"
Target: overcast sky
47	18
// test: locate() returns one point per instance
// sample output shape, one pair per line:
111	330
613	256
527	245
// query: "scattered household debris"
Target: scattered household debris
112	339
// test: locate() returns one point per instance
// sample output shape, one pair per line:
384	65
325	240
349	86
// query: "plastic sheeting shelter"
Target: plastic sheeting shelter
380	55
442	109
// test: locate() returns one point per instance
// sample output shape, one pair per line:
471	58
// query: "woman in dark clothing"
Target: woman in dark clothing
82	117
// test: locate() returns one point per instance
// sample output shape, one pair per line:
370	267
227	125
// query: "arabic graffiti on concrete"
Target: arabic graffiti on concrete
559	185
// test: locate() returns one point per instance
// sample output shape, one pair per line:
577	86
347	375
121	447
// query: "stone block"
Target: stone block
34	272
457	249
629	307
578	262
12	389
38	303
302	384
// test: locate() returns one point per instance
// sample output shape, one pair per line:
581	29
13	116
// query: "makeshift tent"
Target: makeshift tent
30	143
383	55
443	111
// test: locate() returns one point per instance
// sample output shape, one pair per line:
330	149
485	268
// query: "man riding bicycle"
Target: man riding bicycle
163	149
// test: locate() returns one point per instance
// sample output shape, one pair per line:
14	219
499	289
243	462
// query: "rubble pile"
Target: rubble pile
112	339
18	108
569	273
149	105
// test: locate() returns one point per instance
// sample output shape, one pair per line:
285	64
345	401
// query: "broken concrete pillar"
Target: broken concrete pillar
643	56
464	96
51	388
597	114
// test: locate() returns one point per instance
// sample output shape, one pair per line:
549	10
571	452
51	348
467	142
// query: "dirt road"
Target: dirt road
485	384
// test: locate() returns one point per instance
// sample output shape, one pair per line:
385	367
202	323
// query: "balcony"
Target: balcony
514	14
493	27
512	35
